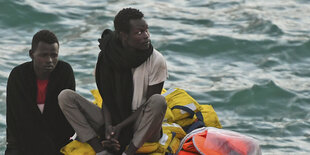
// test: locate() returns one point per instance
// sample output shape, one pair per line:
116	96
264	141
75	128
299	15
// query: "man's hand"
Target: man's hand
108	131
116	131
111	134
111	144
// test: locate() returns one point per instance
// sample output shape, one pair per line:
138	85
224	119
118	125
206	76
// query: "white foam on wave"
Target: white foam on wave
2	120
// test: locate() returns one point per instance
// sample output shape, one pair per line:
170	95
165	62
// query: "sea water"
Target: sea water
249	59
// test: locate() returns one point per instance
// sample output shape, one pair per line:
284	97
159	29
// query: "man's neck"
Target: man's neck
42	76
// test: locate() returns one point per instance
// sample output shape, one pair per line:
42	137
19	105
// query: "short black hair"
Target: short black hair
44	36
121	20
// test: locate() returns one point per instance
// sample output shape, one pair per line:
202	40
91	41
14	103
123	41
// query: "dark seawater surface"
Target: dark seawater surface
249	59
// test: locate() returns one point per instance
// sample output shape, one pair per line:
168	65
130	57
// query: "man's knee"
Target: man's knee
158	102
64	97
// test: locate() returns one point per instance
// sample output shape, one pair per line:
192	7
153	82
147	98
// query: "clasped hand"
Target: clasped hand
111	135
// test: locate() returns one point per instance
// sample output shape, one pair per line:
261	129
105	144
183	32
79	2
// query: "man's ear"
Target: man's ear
123	38
31	54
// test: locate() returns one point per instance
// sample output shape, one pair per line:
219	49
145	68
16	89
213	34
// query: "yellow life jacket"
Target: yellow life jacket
169	142
186	121
169	117
174	145
210	117
176	128
77	148
148	147
97	96
176	99
187	112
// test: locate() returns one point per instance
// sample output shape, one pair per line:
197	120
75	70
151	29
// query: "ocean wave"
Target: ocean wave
264	96
214	45
261	26
249	59
18	14
2	120
214	4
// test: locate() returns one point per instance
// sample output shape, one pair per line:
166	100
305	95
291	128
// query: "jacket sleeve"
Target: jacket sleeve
71	79
11	134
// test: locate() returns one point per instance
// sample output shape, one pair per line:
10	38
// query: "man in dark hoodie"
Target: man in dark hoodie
35	123
130	75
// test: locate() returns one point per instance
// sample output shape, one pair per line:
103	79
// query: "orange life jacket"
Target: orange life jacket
213	141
